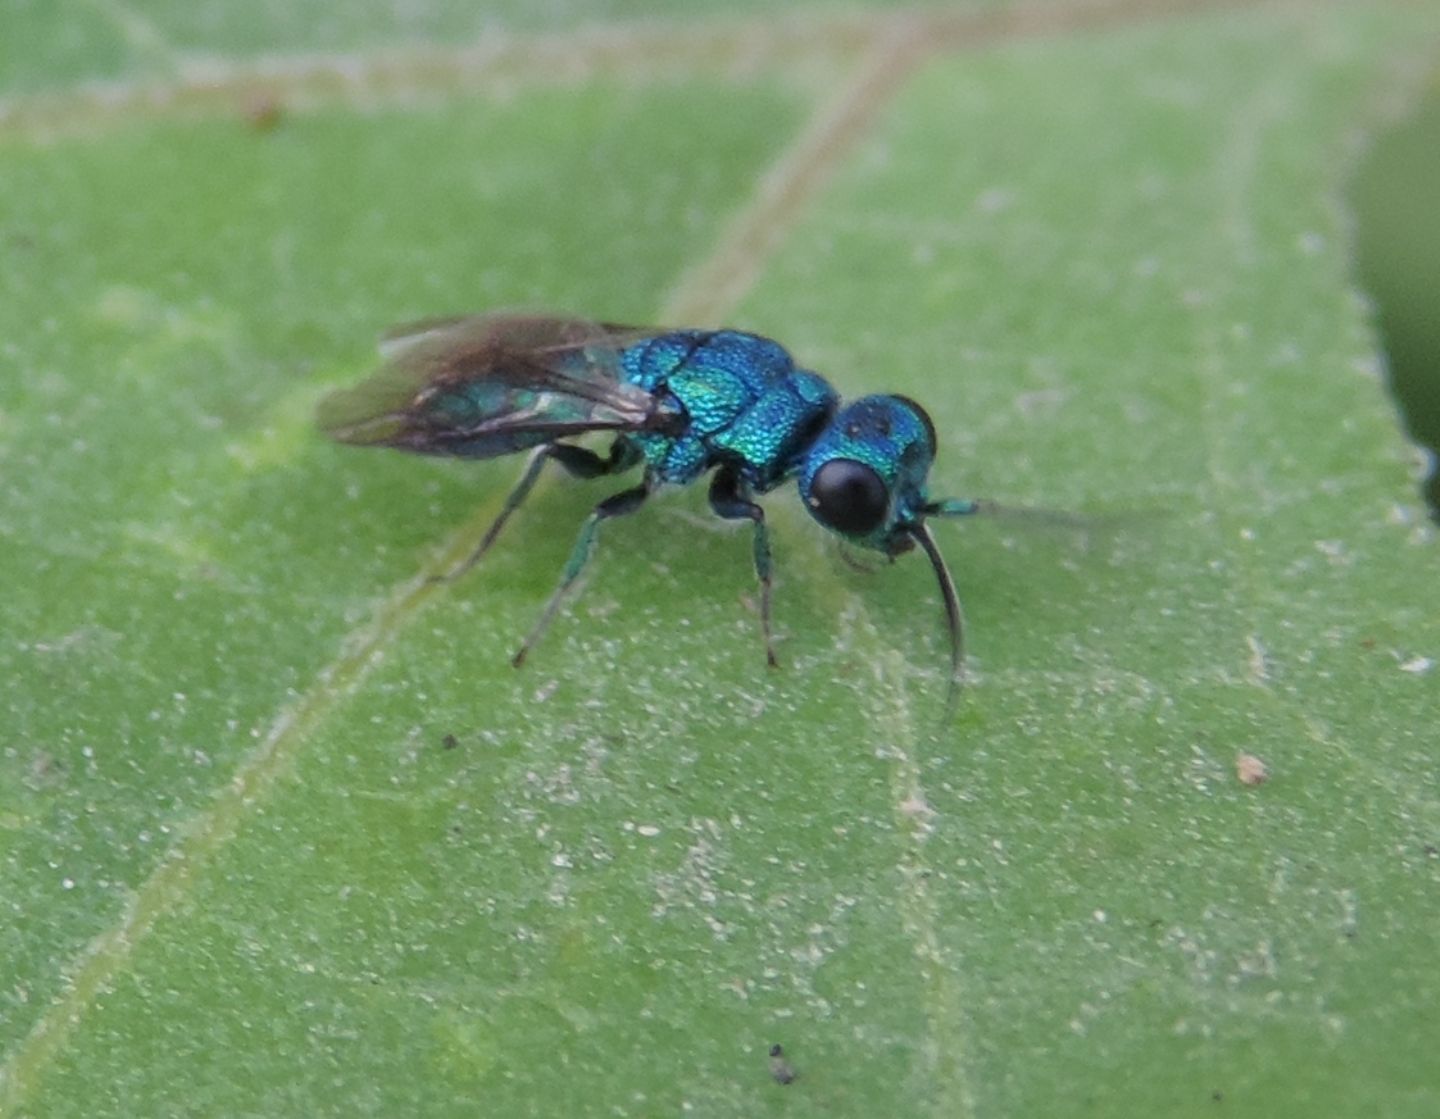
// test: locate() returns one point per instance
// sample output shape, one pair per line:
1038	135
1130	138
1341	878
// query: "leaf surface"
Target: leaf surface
282	831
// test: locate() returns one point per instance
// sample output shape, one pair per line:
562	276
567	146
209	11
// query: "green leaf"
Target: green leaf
284	834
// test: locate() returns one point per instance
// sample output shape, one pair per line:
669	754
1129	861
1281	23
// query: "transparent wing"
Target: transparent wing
489	385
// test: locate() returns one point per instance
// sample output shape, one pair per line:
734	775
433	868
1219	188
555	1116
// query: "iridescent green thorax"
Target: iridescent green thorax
743	401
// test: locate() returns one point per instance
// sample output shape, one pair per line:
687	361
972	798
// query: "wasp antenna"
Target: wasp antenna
959	507
954	616
966	507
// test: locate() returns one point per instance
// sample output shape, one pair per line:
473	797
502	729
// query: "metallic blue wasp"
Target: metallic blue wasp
680	402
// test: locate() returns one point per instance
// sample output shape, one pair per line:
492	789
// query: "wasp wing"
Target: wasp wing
489	385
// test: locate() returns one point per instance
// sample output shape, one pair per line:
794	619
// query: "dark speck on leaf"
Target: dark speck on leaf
450	742
263	112
781	1069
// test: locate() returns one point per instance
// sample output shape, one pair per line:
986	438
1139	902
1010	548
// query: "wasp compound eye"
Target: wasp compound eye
849	497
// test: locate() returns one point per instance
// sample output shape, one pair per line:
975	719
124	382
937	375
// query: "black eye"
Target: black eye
849	497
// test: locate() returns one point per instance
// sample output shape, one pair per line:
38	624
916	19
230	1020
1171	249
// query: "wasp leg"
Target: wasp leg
730	498
617	505
579	461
